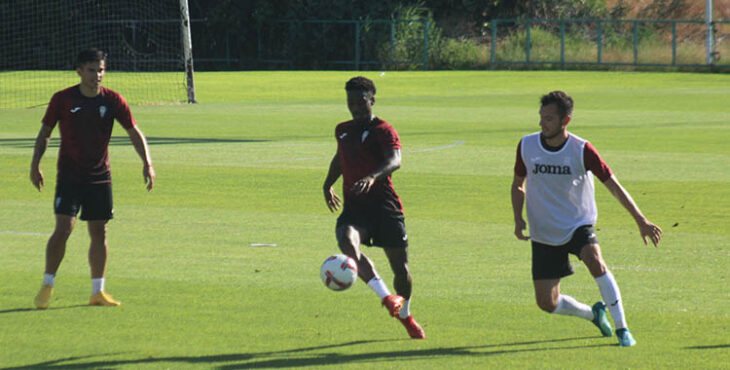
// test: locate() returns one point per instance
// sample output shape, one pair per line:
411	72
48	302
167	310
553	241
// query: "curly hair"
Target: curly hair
562	100
90	55
360	84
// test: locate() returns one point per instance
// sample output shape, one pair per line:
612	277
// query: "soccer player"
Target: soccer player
368	152
86	113
553	175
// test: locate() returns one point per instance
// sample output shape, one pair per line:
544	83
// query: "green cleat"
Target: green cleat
625	339
600	319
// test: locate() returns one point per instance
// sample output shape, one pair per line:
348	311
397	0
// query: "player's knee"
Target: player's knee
591	254
61	233
403	276
98	237
348	248
597	268
595	264
401	271
347	236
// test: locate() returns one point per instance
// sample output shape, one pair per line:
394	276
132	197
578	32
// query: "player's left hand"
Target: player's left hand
332	200
149	176
363	185
651	231
520	227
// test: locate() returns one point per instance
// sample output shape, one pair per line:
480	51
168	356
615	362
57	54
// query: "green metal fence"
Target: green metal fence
508	43
354	44
647	42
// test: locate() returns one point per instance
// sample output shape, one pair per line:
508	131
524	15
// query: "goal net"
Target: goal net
40	40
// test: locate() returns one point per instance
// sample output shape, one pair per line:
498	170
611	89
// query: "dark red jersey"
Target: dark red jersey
591	160
361	151
86	127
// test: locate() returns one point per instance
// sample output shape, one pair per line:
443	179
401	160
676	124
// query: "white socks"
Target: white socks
49	279
612	296
97	285
405	311
377	285
567	305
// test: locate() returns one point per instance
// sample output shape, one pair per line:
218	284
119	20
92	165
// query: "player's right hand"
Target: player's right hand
36	177
332	200
520	226
148	172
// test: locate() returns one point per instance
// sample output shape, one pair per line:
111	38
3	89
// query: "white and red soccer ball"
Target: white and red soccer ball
339	272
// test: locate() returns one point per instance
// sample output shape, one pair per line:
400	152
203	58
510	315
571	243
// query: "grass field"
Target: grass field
246	165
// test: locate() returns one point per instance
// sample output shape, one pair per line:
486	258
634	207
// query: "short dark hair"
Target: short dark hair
360	84
90	55
563	101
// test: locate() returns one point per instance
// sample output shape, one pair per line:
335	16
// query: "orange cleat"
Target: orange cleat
414	330
393	303
43	299
103	299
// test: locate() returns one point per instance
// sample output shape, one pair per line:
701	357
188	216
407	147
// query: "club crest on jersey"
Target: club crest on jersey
551	169
102	111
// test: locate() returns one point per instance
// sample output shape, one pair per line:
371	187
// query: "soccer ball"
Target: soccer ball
339	272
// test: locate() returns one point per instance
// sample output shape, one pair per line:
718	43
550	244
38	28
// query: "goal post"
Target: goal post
187	45
148	61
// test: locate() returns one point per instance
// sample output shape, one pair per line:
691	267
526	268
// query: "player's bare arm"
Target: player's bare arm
41	144
646	228
518	202
391	163
330	197
140	145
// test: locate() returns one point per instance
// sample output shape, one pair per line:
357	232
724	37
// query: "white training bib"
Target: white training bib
559	191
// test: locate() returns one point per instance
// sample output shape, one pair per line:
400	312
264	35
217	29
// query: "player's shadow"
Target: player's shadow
72	362
294	358
716	346
157	140
123	140
27	309
465	351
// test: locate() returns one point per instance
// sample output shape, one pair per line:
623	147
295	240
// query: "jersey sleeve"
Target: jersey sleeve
53	115
124	114
388	138
520	169
594	163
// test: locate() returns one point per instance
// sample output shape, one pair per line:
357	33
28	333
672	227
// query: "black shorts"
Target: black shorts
382	228
552	262
94	200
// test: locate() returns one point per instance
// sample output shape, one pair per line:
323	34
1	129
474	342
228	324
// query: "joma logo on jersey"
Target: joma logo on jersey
551	169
